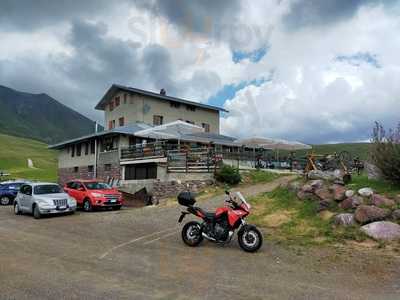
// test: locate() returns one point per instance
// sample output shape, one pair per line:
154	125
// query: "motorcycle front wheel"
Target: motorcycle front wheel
192	234
250	238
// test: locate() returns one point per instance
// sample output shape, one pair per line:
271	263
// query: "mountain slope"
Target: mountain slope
14	155
40	117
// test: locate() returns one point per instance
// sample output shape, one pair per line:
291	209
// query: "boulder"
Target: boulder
344	220
316	184
373	172
307	188
338	192
306	196
324	205
368	213
396	215
365	192
324	194
379	200
349	193
318	174
294	186
383	230
351	202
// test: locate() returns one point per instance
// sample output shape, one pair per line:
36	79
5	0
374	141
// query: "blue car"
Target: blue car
8	192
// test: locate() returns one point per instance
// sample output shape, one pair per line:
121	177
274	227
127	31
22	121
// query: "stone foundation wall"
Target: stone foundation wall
67	174
173	188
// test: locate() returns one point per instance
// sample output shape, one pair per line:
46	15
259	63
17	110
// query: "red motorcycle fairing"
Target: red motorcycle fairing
221	210
235	214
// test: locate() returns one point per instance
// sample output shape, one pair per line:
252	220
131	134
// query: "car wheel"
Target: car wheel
17	211
36	212
87	206
5	200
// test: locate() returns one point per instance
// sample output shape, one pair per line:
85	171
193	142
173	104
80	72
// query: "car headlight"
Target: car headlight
71	201
97	195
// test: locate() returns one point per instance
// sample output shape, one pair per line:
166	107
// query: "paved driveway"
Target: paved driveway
138	254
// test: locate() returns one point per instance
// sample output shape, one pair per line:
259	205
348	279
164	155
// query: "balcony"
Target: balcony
148	151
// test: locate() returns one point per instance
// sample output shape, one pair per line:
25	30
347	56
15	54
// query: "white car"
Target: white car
43	199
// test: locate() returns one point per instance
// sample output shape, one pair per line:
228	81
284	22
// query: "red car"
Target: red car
91	194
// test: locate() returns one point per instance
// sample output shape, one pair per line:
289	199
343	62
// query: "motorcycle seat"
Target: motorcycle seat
207	214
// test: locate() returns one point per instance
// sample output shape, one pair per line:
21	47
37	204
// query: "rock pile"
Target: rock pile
377	214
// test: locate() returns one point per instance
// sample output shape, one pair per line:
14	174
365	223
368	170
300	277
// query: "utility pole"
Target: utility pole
95	152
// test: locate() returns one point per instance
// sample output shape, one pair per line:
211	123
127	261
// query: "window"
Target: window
175	104
111	124
206	127
26	189
190	122
70	185
125	98
141	171
72	150
111	105
76	169
121	121
157	120
92	146
78	149
191	107
45	189
95	185
107	167
117	101
86	148
90	168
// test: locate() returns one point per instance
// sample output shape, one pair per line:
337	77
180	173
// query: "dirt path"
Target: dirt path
139	254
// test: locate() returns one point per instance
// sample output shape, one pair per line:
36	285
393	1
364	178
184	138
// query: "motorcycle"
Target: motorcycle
219	226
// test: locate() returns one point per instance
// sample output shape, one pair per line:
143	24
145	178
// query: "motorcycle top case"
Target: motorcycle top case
186	198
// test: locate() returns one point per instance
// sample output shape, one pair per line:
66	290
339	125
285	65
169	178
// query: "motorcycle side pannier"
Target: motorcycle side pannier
186	198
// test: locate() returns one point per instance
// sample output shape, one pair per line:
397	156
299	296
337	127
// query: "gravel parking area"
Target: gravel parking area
138	254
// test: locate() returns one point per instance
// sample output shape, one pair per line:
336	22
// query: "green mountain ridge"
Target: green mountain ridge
40	117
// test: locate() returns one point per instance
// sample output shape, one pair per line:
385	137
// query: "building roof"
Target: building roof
177	130
116	87
127	129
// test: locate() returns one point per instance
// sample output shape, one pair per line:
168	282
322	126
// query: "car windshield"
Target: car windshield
97	186
47	189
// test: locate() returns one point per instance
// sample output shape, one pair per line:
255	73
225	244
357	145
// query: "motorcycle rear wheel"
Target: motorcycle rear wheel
192	234
250	238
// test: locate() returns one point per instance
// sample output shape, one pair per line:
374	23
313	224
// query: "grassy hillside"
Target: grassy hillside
14	154
356	149
40	117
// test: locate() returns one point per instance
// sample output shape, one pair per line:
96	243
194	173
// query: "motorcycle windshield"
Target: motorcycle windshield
241	198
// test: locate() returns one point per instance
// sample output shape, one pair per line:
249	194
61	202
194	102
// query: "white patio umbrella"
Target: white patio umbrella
273	144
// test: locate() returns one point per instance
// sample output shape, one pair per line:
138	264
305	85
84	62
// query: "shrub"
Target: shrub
228	174
385	151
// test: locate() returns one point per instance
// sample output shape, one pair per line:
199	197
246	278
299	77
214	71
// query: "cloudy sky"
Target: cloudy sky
314	71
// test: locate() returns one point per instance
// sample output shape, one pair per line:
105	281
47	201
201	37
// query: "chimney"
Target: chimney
163	92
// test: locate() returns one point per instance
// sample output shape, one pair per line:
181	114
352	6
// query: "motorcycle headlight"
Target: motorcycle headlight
97	195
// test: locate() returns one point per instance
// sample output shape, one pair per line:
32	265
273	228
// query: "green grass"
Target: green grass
14	154
379	186
260	176
289	220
